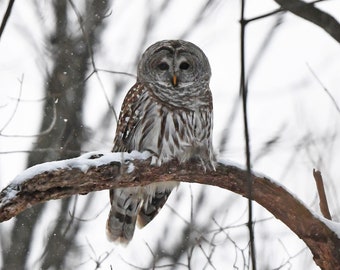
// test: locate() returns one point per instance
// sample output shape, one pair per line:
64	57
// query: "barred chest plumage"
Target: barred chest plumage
167	131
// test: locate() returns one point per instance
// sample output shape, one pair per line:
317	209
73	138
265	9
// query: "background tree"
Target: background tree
61	134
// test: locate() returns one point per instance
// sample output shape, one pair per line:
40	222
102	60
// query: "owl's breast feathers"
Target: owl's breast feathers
147	123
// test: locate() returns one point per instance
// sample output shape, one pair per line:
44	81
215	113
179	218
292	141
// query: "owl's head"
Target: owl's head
174	65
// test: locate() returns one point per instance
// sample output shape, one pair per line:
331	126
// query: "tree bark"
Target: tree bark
64	182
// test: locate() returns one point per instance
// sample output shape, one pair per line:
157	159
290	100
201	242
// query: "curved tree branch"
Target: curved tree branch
94	172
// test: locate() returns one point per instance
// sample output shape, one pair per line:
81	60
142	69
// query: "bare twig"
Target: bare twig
41	133
21	81
90	52
98	260
322	194
6	17
118	72
208	7
44	150
324	88
244	95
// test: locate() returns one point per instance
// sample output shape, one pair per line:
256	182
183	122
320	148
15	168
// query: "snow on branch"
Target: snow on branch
98	171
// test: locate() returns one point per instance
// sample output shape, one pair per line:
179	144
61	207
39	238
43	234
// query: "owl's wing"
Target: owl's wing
129	117
135	132
124	207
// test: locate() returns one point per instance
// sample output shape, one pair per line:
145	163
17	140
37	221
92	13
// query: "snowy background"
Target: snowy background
287	105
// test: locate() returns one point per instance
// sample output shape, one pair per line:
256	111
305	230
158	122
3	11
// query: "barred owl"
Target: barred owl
168	112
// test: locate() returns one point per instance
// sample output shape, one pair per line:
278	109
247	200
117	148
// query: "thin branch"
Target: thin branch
44	132
264	46
208	7
244	95
90	52
279	10
44	150
6	17
95	171
271	13
290	257
118	72
98	260
324	88
322	194
21	81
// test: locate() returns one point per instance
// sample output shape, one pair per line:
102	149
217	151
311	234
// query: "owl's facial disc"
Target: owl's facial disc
174	65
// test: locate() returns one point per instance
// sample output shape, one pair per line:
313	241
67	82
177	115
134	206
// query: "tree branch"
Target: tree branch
94	172
310	13
322	194
6	16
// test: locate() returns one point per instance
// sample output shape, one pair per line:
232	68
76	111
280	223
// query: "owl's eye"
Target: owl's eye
184	65
163	66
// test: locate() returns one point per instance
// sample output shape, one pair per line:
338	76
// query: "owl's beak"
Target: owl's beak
174	80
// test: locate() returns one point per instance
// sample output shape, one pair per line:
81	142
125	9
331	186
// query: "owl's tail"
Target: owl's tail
129	203
123	214
152	207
